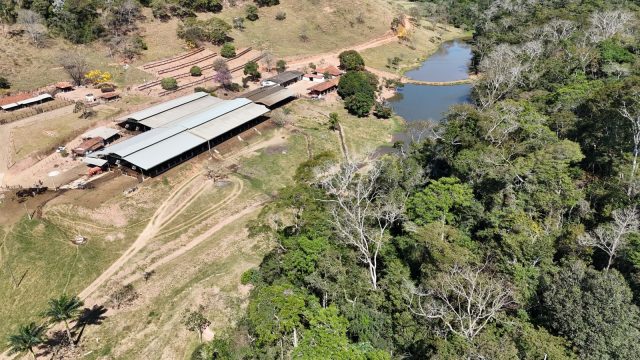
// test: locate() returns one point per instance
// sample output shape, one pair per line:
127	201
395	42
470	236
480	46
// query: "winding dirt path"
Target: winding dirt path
332	57
197	240
167	211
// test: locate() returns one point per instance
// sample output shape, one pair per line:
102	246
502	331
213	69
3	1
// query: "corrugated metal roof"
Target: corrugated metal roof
192	121
35	99
94	161
276	97
229	121
102	131
9	106
285	77
188	109
154	110
169	148
142	141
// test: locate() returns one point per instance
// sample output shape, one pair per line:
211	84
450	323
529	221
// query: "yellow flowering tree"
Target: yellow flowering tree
98	77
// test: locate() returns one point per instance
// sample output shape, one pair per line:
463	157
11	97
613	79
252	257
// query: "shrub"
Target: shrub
195	71
281	15
228	50
281	66
382	111
351	60
251	69
213	30
262	3
359	104
4	83
169	83
355	82
252	12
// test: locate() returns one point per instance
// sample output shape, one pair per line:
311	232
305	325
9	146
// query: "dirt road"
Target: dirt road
331	58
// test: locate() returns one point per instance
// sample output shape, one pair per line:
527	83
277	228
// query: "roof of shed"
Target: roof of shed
142	141
269	96
179	112
324	86
102	131
197	119
169	148
35	99
229	121
165	106
285	76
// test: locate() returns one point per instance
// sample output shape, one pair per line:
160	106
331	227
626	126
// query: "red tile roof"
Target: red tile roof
331	70
324	86
64	85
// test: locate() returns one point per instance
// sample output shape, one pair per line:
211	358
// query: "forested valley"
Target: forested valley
508	231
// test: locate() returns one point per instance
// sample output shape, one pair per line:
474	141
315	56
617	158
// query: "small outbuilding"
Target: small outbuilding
323	88
314	77
285	78
330	70
110	96
106	133
64	86
88	146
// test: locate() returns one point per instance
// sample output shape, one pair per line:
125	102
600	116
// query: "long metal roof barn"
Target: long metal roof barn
167	149
166	106
184	110
182	130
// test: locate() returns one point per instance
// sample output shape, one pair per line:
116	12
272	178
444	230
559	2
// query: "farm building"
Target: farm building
330	70
106	133
178	130
323	88
64	86
284	78
270	96
88	146
314	77
110	96
39	99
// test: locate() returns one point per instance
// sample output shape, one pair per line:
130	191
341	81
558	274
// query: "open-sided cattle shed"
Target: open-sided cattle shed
270	96
107	133
285	78
188	134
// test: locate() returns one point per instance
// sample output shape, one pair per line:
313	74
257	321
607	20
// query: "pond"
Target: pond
449	63
425	102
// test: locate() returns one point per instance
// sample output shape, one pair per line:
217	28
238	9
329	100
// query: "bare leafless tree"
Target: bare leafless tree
630	110
362	212
75	65
502	70
612	237
464	300
606	24
33	25
268	60
558	30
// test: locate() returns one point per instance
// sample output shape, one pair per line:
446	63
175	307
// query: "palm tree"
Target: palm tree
27	337
63	309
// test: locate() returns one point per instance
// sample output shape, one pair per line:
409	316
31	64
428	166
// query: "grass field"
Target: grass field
328	25
45	135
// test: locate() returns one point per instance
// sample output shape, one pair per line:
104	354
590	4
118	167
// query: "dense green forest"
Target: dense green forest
510	230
